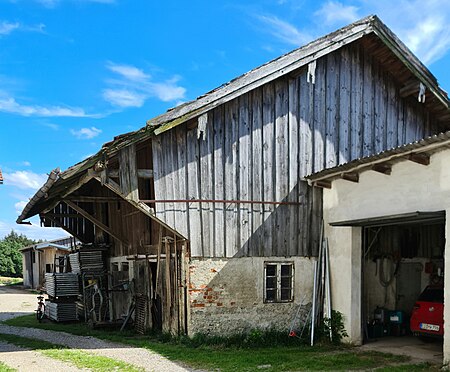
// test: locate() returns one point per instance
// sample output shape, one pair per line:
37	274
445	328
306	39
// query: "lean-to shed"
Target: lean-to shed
218	184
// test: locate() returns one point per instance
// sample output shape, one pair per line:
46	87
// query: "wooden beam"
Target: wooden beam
422	158
82	181
410	88
382	168
350	176
325	184
93	199
63	215
141	173
96	222
138	205
65	228
128	172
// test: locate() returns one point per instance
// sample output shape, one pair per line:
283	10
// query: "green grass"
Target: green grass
218	353
80	359
5	368
10	281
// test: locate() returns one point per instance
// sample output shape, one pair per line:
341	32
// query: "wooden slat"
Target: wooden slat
368	102
206	182
141	173
95	221
281	163
219	181
344	106
331	132
356	131
293	185
194	193
319	116
181	188
231	163
268	109
257	173
244	169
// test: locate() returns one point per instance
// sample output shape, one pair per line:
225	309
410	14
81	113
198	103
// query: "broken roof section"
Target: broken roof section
370	31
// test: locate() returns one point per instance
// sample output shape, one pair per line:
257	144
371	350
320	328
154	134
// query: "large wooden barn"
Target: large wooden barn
207	207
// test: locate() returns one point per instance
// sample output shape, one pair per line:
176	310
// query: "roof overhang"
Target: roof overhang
295	60
397	219
414	151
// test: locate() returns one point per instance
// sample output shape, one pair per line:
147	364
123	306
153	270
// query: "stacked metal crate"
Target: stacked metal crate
63	290
62	284
62	311
87	261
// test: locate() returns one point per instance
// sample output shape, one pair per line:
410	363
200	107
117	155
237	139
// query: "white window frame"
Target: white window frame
278	281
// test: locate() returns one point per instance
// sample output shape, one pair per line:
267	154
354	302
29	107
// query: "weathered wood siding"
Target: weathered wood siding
261	145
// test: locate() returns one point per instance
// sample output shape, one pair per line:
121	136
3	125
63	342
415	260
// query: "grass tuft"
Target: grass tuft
5	368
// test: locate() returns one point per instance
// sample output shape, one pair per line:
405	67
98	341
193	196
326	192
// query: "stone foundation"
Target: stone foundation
226	296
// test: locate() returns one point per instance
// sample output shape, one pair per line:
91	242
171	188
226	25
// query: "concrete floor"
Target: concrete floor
408	345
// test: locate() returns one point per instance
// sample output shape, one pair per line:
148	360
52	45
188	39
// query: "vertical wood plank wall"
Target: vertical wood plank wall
260	147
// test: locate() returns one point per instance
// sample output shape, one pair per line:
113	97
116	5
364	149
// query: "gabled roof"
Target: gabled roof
293	61
376	35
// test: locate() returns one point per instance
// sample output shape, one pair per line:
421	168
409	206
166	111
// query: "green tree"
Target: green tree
10	256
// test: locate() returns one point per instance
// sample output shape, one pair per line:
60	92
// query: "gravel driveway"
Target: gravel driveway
15	301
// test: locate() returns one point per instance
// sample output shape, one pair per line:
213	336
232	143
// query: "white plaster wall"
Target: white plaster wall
410	187
226	295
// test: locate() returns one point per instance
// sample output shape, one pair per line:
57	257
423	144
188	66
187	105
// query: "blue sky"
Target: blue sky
75	73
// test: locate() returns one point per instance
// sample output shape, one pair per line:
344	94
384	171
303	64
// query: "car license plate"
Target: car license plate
429	327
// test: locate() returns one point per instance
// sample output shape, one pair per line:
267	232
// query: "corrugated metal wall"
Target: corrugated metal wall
259	146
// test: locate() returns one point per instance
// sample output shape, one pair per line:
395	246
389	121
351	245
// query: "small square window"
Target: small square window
278	282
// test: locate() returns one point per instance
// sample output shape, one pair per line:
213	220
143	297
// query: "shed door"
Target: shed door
408	286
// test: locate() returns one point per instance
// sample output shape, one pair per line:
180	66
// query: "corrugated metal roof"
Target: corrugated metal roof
430	144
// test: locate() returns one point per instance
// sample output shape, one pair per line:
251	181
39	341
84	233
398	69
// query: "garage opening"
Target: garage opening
402	274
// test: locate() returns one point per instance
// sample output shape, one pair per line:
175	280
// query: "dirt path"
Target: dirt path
16	301
27	360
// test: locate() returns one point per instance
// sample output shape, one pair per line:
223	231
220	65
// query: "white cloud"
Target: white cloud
54	3
11	106
7	27
24	179
34	231
51	126
423	27
129	72
26	164
335	12
20	206
86	133
124	97
132	86
284	31
168	90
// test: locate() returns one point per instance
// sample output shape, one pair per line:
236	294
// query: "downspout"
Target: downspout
41	193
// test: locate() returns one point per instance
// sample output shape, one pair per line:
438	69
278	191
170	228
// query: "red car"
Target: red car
427	318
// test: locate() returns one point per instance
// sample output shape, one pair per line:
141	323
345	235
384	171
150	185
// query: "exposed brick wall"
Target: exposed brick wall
226	295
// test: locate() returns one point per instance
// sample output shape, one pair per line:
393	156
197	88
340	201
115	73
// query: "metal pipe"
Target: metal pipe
219	201
313	310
